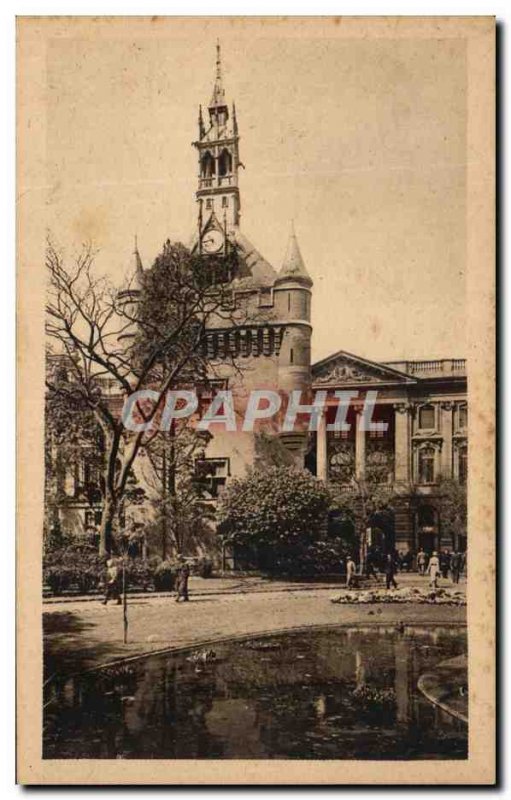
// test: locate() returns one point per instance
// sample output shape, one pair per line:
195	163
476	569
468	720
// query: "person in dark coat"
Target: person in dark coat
182	583
445	562
390	571
456	563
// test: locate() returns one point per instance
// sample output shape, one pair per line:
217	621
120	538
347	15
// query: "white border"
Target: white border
7	297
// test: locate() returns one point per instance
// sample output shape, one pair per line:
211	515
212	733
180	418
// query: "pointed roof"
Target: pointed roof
137	268
293	267
218	96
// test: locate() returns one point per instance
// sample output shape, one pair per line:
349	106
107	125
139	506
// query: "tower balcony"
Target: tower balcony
217	182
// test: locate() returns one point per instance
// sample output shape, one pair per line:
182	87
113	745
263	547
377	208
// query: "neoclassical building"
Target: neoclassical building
424	406
424	403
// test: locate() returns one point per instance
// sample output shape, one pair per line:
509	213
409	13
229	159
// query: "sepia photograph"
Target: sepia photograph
256	321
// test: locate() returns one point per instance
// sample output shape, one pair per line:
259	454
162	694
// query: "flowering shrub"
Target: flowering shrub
281	514
79	567
82	570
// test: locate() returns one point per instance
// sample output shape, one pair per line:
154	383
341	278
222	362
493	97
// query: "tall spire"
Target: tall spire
219	162
202	129
218	97
293	266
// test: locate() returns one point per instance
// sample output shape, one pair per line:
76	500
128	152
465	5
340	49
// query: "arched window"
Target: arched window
426	465
225	163
207	165
427	418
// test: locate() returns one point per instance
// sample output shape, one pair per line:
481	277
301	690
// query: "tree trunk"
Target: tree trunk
363	550
107	522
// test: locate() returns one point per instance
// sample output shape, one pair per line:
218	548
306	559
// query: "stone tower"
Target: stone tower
273	346
218	151
292	295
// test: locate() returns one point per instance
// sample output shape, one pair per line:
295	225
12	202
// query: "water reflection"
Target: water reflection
344	693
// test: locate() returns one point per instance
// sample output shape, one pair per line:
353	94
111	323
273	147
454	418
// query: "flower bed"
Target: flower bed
452	597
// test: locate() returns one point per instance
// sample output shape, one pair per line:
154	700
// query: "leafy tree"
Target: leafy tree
72	434
279	512
451	502
365	503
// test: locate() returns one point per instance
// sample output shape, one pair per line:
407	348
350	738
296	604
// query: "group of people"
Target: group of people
389	564
114	581
441	564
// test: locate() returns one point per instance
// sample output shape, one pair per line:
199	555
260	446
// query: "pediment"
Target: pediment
346	369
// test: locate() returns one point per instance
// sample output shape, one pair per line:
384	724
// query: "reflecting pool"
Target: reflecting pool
338	693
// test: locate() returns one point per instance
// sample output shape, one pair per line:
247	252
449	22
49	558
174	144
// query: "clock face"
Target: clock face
213	242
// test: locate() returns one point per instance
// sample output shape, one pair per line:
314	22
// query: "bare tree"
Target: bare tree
113	344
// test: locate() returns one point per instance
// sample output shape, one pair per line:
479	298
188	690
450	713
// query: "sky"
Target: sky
362	142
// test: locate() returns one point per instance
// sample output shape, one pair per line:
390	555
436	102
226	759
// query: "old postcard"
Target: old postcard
256	370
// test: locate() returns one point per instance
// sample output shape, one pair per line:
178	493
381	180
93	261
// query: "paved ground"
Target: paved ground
80	634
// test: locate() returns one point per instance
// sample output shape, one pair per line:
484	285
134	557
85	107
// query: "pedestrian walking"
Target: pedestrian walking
433	569
182	582
113	589
421	561
350	572
445	562
390	571
456	561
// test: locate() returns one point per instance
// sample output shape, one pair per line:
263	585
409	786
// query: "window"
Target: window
427	465
427	418
207	165
462	417
209	203
225	202
341	460
342	434
208	392
463	465
265	297
224	163
212	474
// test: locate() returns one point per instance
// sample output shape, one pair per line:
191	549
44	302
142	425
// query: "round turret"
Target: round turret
292	294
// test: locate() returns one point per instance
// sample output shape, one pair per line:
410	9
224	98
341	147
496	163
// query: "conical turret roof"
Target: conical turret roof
293	267
138	269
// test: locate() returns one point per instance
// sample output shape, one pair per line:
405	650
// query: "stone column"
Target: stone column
360	446
402	454
321	448
446	431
